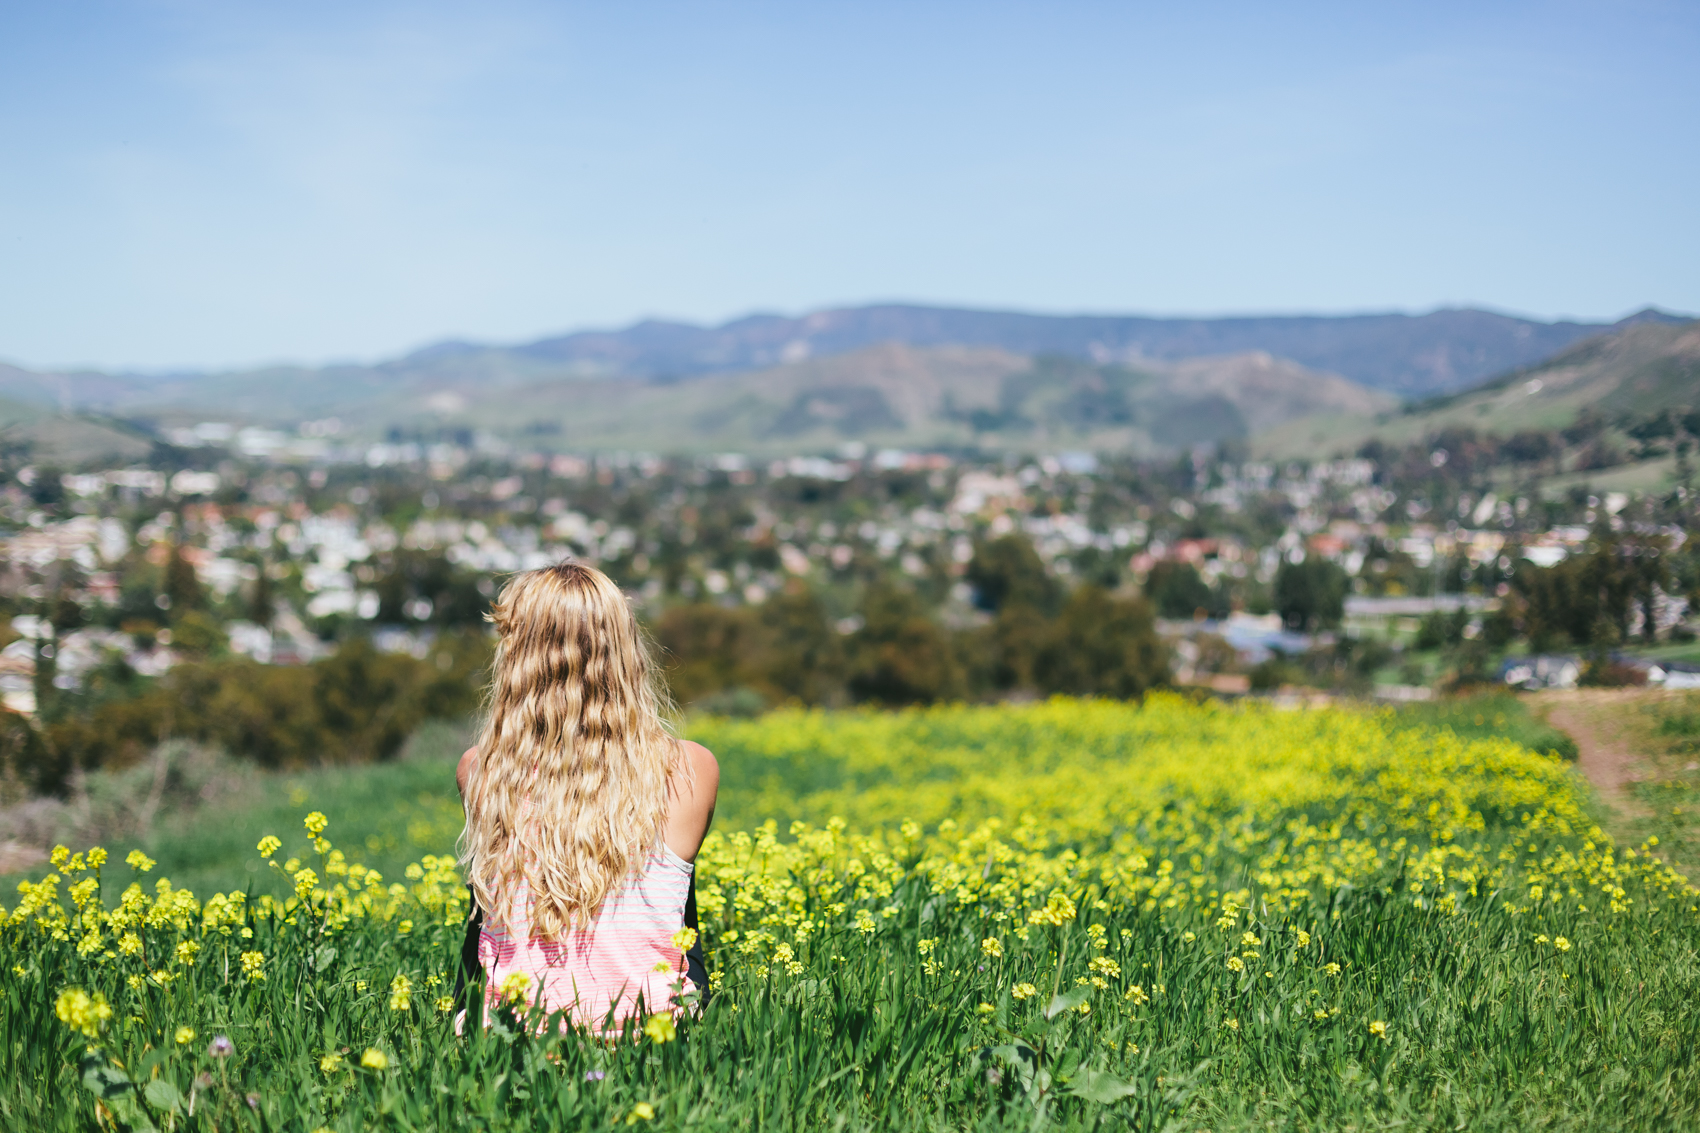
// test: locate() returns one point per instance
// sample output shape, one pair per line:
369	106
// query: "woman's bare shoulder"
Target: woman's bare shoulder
463	770
703	765
690	815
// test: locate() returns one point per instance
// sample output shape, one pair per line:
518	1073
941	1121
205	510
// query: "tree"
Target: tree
1102	645
1008	571
199	635
1591	600
1179	591
357	704
425	586
803	653
262	599
182	585
705	649
900	655
1310	594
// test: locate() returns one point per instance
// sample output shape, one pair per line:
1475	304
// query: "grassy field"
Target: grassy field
1658	731
1072	914
386	815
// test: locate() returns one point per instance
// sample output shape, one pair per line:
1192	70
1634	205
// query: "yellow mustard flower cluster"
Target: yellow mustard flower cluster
1027	822
151	938
1162	808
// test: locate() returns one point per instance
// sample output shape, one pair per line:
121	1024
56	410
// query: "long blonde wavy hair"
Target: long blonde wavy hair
576	756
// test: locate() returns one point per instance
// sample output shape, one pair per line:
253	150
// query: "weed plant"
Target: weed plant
1072	915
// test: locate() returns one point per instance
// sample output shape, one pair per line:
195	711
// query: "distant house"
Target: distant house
1538	672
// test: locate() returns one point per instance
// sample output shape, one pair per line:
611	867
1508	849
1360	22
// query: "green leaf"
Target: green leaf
323	957
102	1079
1097	1086
1068	1001
162	1094
1023	1061
113	1087
127	1109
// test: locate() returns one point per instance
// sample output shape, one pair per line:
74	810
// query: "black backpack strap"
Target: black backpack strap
696	964
470	970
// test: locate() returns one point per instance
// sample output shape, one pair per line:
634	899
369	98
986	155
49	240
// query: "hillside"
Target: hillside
1408	355
1411	355
905	396
44	435
1635	371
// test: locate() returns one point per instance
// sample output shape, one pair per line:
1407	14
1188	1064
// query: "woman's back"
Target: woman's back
630	951
583	813
625	963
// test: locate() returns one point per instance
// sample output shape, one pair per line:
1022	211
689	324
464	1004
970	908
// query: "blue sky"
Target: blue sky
209	184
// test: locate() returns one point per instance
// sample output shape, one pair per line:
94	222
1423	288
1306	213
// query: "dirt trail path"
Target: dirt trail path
1592	718
1622	751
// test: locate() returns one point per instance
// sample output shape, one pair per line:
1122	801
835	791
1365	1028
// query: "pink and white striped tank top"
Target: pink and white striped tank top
628	951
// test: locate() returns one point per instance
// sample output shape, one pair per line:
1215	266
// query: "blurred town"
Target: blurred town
302	600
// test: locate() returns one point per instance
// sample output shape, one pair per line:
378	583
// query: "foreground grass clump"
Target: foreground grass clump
1080	914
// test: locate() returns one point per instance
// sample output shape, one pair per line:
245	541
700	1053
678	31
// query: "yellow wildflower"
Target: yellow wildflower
991	947
660	1028
82	1011
375	1059
642	1111
183	1036
516	989
316	823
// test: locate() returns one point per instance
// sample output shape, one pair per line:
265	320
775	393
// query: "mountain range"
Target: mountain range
1632	371
901	375
1408	355
914	397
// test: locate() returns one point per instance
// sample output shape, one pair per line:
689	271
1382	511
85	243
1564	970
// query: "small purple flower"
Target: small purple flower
203	1081
221	1047
595	1075
253	1101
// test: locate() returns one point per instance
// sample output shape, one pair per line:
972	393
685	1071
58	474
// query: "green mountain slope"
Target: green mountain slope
896	395
1635	371
68	440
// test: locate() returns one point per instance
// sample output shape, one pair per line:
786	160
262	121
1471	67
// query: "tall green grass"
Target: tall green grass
1491	1026
1485	715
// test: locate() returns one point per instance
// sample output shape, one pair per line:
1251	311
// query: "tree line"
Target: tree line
1035	637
